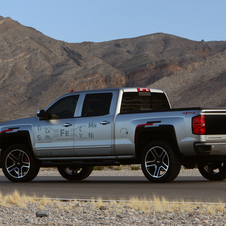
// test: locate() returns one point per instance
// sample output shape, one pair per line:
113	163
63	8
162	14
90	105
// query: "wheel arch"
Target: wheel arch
145	135
20	137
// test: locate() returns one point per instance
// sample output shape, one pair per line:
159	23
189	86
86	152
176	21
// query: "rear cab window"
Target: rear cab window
135	102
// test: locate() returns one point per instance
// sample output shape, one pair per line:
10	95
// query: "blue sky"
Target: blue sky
104	20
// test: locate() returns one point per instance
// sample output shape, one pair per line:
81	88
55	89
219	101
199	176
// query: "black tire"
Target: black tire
159	163
19	164
75	173
213	170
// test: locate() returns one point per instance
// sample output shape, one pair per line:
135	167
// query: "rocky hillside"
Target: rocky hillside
35	69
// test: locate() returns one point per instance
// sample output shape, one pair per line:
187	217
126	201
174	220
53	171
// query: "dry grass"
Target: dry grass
99	202
133	202
69	205
220	207
211	209
117	168
144	205
135	167
99	168
13	199
59	205
44	201
157	204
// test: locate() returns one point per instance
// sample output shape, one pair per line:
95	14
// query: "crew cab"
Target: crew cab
105	127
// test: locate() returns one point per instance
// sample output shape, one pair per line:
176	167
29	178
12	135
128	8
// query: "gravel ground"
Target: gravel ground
107	214
16	209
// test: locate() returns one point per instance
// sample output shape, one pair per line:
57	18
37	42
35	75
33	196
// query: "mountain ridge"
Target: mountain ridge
36	69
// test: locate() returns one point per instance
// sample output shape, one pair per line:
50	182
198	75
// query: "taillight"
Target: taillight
7	130
143	90
199	125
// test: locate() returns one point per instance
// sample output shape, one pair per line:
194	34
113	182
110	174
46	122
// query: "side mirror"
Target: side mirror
41	113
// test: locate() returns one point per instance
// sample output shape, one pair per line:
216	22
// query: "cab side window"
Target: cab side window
63	108
97	104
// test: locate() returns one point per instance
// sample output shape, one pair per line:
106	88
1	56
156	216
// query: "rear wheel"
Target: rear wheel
75	173
213	170
159	162
19	164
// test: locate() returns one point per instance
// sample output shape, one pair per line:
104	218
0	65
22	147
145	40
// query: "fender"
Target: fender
146	133
8	138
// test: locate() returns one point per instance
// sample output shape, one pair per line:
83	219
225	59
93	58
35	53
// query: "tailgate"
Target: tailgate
215	121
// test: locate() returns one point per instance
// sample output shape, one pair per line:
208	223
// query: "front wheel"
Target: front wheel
75	173
159	162
213	170
19	164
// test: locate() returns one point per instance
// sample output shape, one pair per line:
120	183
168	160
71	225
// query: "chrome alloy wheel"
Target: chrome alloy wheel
17	163
157	162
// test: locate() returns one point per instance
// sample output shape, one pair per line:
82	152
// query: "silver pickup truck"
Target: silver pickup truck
84	129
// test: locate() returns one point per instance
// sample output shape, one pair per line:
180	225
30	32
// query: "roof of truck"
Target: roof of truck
125	89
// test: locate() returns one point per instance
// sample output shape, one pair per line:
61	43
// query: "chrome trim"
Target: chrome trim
67	124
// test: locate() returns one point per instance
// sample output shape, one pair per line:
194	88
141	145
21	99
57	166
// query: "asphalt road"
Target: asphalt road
188	188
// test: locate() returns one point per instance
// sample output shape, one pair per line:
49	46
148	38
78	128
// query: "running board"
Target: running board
78	163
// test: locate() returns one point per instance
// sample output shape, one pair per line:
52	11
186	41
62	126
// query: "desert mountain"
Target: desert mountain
36	69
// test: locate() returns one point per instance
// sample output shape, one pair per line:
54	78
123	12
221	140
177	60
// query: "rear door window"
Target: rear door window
96	104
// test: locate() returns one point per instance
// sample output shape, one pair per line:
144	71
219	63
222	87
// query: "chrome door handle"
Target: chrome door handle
67	124
105	122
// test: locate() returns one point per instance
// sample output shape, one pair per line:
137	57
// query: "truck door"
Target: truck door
93	130
54	134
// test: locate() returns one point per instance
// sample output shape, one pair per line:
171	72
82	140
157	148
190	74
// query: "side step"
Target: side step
78	163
